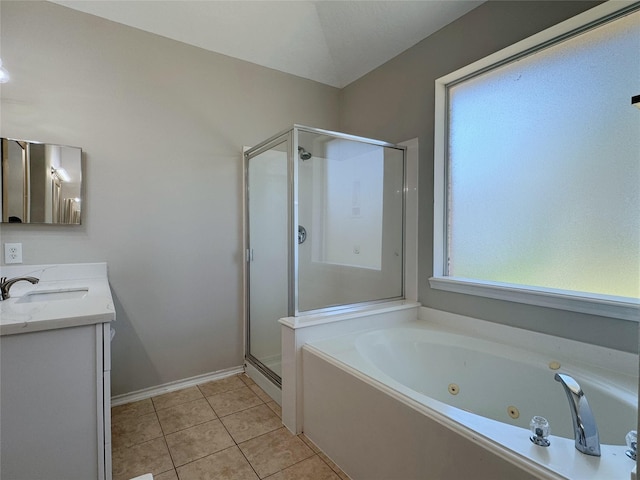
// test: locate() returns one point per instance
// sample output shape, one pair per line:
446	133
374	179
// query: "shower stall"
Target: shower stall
324	215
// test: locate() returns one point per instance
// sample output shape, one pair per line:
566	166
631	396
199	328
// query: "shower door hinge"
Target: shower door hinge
249	255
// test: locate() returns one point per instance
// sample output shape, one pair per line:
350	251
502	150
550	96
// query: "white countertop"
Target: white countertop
94	307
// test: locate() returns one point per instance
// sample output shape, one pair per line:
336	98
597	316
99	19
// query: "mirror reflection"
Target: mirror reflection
41	183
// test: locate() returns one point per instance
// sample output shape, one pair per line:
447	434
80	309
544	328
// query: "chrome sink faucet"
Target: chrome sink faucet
584	424
5	285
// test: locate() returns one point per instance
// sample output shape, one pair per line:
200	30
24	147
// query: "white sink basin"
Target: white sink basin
54	295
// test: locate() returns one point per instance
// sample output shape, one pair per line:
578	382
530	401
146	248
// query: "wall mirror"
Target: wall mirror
41	182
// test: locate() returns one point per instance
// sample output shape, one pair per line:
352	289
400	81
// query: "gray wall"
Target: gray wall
162	125
396	102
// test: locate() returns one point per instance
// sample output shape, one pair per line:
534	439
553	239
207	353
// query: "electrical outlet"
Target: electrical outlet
12	253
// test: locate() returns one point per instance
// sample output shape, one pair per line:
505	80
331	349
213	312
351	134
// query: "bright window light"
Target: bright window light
540	171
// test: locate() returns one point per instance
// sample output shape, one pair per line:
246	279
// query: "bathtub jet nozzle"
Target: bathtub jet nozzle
584	423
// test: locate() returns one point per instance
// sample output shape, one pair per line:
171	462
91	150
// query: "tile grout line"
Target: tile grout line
322	457
247	460
313	454
238	411
246	385
217	417
236	444
164	437
170	456
208	455
263	402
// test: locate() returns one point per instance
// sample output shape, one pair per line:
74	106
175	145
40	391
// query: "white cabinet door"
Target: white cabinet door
50	421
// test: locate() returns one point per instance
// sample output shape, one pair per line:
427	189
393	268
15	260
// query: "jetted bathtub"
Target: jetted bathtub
418	402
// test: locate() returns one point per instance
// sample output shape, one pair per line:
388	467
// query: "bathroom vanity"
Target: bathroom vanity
55	348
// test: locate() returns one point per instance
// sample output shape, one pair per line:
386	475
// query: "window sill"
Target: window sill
603	305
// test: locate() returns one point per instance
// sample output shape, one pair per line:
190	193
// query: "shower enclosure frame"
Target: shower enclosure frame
291	136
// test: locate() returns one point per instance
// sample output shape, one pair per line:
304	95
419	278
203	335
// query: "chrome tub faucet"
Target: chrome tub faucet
5	285
584	423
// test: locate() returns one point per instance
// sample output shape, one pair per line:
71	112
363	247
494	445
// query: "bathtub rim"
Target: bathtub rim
454	419
347	313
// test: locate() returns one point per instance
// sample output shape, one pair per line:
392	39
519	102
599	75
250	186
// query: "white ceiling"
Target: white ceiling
332	42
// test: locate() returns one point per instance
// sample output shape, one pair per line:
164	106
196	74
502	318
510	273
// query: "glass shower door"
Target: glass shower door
267	254
351	206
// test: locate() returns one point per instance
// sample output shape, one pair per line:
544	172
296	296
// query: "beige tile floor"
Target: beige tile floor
226	429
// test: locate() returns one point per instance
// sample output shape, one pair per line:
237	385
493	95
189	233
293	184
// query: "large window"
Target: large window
538	170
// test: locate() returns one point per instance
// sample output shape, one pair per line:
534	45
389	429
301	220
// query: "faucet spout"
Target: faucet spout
584	423
5	285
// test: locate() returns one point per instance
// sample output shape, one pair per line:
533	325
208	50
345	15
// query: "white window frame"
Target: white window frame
604	305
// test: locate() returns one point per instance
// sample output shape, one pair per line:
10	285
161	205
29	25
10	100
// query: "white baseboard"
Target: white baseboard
173	386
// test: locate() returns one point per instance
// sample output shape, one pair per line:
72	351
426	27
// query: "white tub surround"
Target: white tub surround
55	373
297	331
20	316
421	400
264	383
